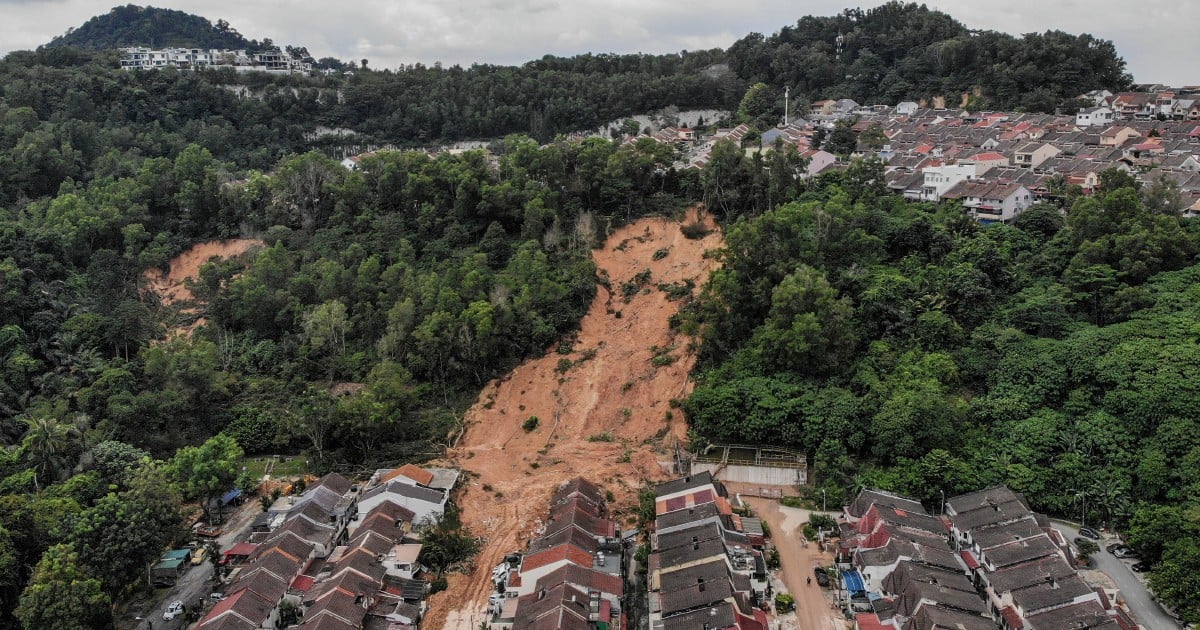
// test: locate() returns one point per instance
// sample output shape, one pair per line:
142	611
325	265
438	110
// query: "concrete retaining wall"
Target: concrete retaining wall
753	474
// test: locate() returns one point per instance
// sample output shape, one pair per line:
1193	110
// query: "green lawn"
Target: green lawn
284	465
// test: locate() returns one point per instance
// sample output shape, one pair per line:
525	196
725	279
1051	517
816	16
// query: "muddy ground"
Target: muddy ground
603	408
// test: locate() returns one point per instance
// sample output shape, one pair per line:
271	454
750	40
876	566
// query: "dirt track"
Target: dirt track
606	417
813	603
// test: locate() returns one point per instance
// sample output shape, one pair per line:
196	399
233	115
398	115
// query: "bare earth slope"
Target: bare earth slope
612	388
171	287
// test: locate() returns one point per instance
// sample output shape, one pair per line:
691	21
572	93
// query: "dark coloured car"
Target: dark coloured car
1089	533
821	575
1080	540
1114	547
1141	567
163	582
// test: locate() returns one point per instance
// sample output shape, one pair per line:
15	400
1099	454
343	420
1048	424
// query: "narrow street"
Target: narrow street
1142	606
814	610
195	584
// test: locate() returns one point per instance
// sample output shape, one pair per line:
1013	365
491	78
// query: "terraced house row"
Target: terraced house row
572	576
987	562
336	557
706	568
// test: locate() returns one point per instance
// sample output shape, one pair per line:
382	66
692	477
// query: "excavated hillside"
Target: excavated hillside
601	402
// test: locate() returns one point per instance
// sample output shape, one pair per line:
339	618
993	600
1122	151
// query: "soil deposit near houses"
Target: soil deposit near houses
601	402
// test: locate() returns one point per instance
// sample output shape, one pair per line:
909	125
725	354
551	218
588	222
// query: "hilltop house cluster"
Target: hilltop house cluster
987	562
573	574
340	555
275	61
706	567
997	164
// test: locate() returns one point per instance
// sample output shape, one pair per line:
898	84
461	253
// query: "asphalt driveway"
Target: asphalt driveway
1142	606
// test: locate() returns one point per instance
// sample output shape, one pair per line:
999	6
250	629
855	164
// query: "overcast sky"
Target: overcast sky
1156	37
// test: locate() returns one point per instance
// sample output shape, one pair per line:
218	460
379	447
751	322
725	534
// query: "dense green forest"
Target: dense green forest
904	51
418	278
887	54
903	346
131	25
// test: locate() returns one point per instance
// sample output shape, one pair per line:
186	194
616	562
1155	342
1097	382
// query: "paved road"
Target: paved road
195	585
1142	606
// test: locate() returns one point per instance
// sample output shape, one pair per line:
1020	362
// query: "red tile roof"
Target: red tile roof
1011	617
302	583
972	563
411	471
869	621
557	554
241	549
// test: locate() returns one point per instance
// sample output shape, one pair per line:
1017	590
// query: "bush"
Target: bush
822	521
694	231
792	502
531	423
784	603
661	254
773	561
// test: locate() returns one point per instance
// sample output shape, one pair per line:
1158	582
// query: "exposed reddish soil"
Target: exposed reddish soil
171	287
606	418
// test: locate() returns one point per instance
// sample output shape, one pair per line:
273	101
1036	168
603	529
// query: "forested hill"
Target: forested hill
887	54
906	51
132	25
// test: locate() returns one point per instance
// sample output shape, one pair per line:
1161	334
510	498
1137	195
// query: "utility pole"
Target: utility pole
787	92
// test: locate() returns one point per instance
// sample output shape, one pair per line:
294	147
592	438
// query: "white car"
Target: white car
173	611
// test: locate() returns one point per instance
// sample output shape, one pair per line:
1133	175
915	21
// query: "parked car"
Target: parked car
217	596
1089	533
1124	552
1141	567
163	582
1113	547
821	575
208	531
1080	540
173	611
199	555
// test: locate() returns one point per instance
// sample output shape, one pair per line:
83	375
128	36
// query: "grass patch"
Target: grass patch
661	254
531	423
284	466
662	356
607	436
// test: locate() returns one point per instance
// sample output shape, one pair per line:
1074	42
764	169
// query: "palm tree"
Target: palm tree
47	444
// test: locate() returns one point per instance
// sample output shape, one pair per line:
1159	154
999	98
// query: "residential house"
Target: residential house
427	504
572	574
940	179
818	162
991	201
985	161
1133	105
1032	154
1117	135
1092	116
1186	109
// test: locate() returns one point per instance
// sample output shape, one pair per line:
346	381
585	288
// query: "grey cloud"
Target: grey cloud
1153	35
